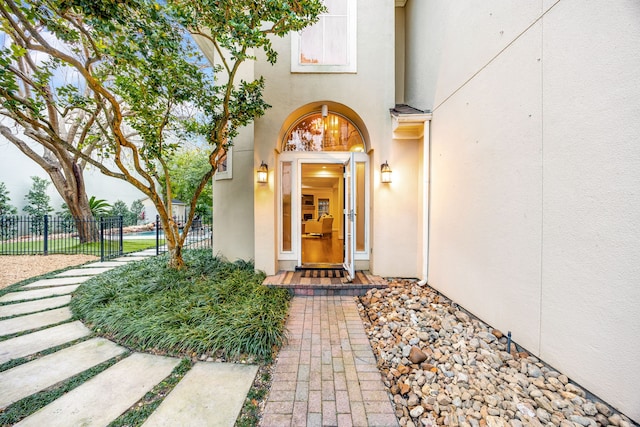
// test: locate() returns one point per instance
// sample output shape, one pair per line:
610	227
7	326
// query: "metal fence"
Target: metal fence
199	235
44	235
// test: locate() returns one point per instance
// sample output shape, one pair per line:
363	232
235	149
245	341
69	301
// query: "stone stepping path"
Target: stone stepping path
104	397
33	306
84	271
34	321
57	281
103	264
31	377
147	253
38	293
210	394
25	345
131	258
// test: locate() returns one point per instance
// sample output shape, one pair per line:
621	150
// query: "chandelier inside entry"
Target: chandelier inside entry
323	131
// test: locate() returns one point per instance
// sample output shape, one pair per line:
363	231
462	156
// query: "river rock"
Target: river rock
589	408
583	421
416	412
404	388
416	355
443	399
444	367
603	409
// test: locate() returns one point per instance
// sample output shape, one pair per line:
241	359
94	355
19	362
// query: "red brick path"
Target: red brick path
326	375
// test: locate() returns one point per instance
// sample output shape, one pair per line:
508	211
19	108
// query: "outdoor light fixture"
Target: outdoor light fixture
385	173
263	173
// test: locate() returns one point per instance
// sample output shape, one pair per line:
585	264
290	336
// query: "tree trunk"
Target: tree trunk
74	194
172	239
66	174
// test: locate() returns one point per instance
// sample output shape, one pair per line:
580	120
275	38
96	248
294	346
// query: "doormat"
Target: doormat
322	273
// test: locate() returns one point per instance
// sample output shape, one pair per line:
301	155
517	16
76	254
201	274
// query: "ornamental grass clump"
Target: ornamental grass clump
213	306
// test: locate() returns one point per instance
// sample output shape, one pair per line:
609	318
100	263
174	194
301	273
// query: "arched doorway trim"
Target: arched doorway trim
309	186
316	108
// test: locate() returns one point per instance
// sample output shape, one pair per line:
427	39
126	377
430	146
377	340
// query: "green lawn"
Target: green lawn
72	246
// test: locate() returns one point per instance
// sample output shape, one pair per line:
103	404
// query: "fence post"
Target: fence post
46	235
120	220
101	239
157	234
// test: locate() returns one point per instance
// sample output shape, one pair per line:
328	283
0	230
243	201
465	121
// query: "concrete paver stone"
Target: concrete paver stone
38	293
25	345
146	252
33	306
102	264
210	394
107	395
84	271
31	377
131	258
33	321
57	281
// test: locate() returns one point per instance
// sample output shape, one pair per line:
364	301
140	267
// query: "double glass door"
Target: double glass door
323	216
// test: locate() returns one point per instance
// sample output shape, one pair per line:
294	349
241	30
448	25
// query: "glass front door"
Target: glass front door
349	216
312	225
321	206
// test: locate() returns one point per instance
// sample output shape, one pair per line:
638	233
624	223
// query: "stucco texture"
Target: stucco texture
535	174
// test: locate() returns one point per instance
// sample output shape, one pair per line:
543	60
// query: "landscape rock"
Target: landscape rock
445	367
416	355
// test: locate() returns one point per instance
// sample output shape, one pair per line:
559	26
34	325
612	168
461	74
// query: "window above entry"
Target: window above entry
323	132
328	46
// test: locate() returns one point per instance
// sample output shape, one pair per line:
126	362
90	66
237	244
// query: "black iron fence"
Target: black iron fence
105	237
44	235
199	235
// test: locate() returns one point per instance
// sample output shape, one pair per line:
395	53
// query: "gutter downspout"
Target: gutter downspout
426	201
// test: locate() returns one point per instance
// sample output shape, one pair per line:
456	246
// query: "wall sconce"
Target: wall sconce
263	173
385	173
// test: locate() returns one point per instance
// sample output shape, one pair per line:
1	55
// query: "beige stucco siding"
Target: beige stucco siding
535	170
591	239
486	194
233	211
369	93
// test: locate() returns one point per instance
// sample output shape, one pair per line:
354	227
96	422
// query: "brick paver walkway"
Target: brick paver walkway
326	375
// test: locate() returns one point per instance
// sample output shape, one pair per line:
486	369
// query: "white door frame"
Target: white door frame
297	158
350	193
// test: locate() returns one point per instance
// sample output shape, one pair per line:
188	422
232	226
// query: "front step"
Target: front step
325	282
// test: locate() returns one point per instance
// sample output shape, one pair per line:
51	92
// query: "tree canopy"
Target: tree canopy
6	208
186	168
121	85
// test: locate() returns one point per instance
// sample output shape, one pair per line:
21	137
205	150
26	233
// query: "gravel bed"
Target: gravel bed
13	269
442	366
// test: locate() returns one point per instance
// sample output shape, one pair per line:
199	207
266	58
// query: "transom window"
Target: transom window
331	132
330	44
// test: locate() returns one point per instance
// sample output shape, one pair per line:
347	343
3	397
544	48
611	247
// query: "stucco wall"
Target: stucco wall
16	170
233	208
535	175
233	203
370	93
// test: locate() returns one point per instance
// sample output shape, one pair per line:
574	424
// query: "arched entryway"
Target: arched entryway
323	194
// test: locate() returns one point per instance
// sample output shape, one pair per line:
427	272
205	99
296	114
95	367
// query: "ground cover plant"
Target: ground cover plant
213	307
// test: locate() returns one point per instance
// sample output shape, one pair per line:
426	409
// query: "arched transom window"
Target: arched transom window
318	132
